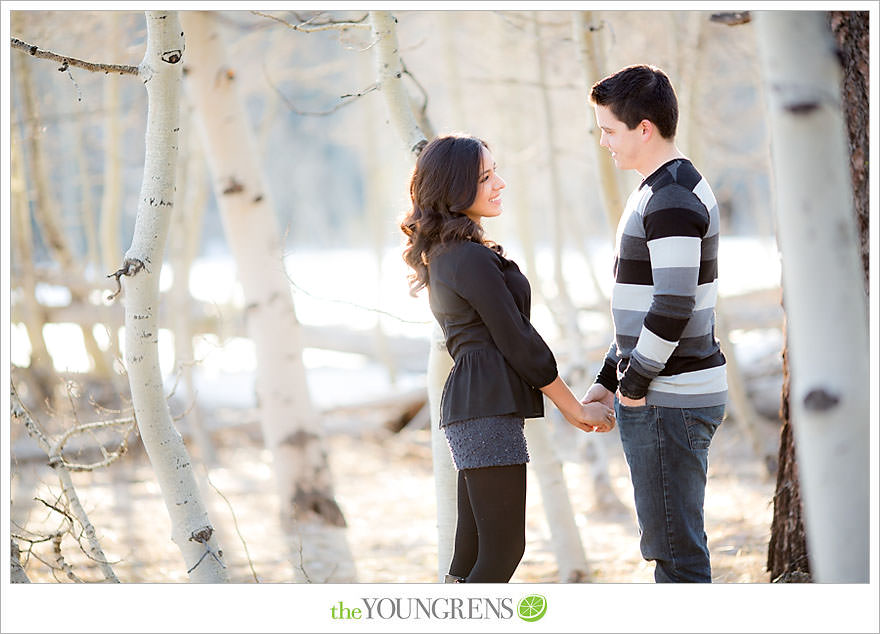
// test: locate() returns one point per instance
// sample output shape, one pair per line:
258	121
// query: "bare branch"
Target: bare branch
308	26
237	529
66	62
59	558
130	267
109	458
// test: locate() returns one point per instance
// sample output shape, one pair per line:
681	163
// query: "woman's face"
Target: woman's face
487	203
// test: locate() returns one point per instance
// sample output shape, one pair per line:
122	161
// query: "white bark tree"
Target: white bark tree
28	310
389	79
161	71
592	63
565	313
184	242
111	197
823	289
290	426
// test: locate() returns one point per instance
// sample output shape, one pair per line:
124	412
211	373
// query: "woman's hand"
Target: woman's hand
591	417
594	416
600	416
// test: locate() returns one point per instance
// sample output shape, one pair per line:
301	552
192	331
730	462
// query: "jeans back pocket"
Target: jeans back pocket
701	423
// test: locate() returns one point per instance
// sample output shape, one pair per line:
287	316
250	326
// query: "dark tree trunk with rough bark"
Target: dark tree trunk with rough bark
850	29
787	556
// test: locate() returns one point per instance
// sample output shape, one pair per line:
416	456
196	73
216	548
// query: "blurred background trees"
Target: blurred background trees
335	168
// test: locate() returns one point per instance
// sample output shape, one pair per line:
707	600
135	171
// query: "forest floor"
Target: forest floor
385	486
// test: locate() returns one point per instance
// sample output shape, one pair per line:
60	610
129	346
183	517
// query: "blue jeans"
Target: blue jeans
667	450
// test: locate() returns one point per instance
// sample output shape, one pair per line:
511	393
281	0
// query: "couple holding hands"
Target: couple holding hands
663	380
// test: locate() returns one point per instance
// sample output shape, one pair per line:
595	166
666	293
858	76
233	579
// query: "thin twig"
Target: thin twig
421	88
237	529
308	27
66	62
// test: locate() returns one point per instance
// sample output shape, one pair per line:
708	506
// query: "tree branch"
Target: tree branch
66	62
306	27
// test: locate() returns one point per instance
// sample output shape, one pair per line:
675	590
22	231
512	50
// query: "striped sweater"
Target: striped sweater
663	302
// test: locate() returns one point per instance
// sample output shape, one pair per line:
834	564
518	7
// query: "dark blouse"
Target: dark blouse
482	302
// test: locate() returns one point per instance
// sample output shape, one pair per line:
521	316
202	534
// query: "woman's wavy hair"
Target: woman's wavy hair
443	185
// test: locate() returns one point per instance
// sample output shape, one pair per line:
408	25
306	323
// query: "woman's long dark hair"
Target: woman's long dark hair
443	185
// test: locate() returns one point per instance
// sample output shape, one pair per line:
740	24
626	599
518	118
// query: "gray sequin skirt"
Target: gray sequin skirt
493	441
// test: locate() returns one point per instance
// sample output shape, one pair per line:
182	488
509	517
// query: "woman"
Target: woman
502	365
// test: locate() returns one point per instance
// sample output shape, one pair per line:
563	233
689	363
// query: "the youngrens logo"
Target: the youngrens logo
530	608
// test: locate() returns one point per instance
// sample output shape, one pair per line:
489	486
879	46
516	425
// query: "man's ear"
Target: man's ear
647	129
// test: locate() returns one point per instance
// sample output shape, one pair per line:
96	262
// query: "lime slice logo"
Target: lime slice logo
532	608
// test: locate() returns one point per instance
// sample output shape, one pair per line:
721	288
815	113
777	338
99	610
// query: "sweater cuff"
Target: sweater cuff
633	385
607	376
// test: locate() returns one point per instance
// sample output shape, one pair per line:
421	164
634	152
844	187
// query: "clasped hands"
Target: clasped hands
598	404
596	411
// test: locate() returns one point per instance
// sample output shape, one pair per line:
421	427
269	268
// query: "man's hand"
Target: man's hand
600	393
630	402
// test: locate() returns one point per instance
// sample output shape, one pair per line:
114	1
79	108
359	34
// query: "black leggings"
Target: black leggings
490	537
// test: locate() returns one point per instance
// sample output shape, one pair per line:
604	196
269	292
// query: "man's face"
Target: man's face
624	144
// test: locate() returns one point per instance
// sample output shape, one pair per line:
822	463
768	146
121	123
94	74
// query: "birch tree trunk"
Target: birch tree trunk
375	200
445	476
568	319
111	197
592	64
390	79
290	426
28	310
817	239
564	533
186	234
388	70
87	206
160	72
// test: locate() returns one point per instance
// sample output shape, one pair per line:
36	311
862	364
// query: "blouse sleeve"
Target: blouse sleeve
480	281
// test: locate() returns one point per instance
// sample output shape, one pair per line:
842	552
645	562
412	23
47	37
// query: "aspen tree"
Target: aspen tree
389	79
161	71
290	425
823	289
592	65
111	196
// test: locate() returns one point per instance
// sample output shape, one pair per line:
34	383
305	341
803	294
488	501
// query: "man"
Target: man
664	373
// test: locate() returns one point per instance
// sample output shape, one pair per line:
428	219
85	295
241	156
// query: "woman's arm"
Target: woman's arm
588	417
